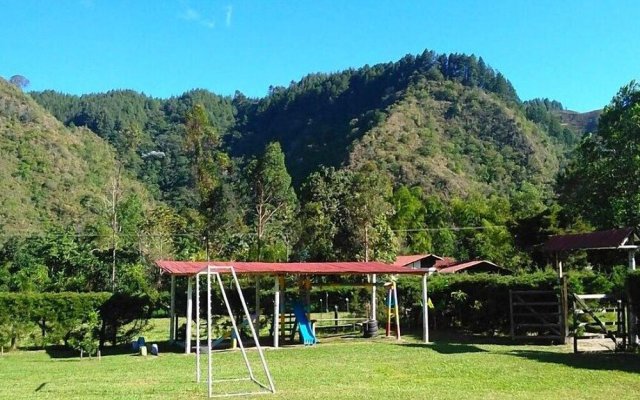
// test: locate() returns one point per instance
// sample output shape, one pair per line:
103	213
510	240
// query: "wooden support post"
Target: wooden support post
257	324
513	322
388	304
631	312
425	310
187	337
374	302
276	313
172	310
307	295
564	292
575	327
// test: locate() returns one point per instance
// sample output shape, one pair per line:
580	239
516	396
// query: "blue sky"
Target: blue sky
577	52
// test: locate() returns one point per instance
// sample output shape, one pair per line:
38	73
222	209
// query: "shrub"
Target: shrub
123	310
84	337
64	316
474	302
633	288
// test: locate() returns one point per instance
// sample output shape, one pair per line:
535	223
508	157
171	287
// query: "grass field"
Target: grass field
345	369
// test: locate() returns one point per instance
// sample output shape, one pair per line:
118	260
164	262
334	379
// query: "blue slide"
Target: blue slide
303	324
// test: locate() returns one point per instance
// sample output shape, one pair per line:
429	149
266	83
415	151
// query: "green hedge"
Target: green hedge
54	314
480	302
473	302
50	318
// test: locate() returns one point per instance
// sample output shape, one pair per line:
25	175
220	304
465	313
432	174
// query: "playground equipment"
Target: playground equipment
233	335
392	308
215	271
304	326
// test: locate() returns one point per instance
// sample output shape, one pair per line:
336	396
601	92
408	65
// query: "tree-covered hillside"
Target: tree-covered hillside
445	133
322	119
318	118
51	174
147	133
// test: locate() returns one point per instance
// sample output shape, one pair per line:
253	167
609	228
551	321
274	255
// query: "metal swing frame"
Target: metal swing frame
212	270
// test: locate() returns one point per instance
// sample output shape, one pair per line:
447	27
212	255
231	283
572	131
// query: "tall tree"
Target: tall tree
19	81
272	196
202	142
603	182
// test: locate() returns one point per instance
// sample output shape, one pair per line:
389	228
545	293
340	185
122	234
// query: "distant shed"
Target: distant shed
474	266
446	264
601	240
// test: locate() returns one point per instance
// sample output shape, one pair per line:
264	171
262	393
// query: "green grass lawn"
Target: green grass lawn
345	369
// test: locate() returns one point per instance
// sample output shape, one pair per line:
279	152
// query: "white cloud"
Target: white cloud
229	15
191	14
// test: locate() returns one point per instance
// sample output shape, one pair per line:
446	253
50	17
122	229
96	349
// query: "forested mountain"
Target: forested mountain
148	134
586	122
468	113
51	174
429	140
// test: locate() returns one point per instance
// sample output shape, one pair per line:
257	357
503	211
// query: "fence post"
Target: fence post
513	327
564	292
335	315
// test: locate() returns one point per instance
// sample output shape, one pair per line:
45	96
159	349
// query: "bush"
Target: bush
474	302
56	314
84	337
633	288
60	316
122	310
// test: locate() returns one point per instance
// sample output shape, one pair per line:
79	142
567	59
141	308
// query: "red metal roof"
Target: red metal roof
186	268
402	261
444	263
611	239
482	264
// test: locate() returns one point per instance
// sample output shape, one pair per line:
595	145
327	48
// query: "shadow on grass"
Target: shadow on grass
595	361
446	348
463	338
60	352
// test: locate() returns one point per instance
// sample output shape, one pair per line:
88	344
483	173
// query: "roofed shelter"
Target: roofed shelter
191	269
615	239
623	239
474	266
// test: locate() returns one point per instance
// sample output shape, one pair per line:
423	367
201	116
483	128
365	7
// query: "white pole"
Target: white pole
257	324
234	325
198	327
560	272
632	260
187	339
425	310
209	374
172	311
373	298
276	313
253	332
